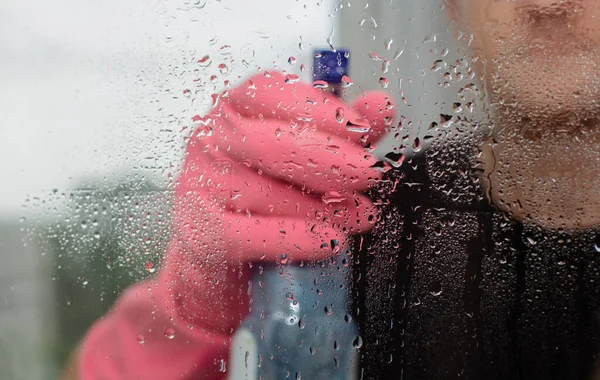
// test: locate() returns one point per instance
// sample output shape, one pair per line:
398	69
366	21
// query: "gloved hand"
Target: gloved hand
275	168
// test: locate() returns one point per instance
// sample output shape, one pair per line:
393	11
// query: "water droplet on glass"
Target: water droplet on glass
225	50
438	65
301	323
399	52
141	339
292	60
335	247
196	4
416	146
248	54
371	20
332	197
205	61
358	126
388	44
223	68
395	159
215	99
328	309
374	56
321	84
169	332
222	365
346	81
339	115
385	66
383	82
333	148
358	342
330	41
150	268
436	289
291	78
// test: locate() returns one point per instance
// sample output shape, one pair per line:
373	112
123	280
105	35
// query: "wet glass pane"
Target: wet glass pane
326	189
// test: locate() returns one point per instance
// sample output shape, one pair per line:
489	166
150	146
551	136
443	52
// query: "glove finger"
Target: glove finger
221	236
378	108
242	190
270	97
311	160
259	238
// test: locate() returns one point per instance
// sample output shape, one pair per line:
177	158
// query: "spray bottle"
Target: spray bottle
300	324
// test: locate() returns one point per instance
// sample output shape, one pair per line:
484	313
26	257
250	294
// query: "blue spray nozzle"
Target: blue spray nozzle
330	66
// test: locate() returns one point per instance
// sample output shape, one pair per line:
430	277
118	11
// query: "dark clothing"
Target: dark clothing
449	287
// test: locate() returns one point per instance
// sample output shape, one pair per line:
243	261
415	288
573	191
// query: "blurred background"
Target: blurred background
97	99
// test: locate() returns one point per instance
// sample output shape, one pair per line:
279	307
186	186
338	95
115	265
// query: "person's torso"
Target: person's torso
448	287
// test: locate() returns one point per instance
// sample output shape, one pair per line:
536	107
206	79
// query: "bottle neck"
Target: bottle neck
335	89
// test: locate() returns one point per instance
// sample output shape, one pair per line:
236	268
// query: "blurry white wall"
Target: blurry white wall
94	88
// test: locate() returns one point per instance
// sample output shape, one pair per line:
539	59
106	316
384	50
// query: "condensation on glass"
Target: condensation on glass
220	189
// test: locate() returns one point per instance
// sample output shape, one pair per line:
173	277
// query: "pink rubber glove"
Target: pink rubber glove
273	169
